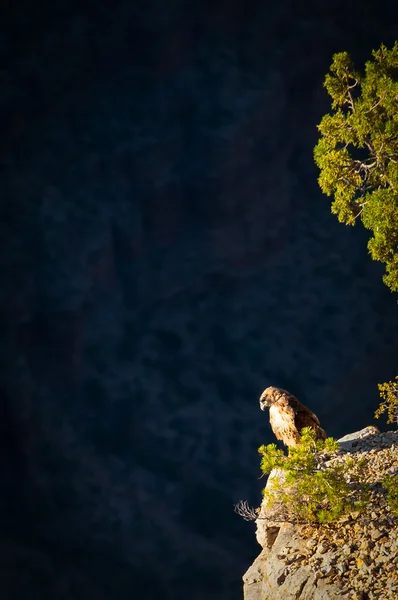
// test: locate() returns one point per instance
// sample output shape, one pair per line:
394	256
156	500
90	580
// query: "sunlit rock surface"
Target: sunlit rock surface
353	558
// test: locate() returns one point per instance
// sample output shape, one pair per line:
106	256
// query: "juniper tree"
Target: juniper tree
357	153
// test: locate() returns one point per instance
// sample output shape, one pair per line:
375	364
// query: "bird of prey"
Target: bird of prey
288	416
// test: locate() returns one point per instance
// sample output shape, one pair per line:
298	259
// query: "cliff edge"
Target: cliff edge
355	558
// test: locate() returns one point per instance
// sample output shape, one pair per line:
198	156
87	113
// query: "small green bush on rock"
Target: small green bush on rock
390	482
307	489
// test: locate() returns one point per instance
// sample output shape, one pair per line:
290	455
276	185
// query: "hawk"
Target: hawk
288	416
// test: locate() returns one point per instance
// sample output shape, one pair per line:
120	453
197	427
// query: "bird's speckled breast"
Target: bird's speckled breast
281	422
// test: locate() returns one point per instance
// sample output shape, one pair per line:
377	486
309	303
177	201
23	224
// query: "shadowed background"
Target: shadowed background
166	254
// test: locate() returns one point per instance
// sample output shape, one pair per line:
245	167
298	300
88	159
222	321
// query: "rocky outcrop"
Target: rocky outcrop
355	558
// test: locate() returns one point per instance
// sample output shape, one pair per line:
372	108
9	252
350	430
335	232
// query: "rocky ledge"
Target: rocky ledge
355	558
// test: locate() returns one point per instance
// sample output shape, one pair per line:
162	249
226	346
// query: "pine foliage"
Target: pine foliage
357	153
389	394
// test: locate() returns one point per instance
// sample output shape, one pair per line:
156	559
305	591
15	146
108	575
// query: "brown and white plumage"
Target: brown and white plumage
288	416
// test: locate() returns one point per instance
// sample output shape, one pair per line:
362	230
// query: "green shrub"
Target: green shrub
309	491
388	393
390	482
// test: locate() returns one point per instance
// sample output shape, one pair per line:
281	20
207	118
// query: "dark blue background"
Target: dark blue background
165	255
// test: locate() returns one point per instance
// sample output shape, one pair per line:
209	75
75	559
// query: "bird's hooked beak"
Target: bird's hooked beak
264	402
